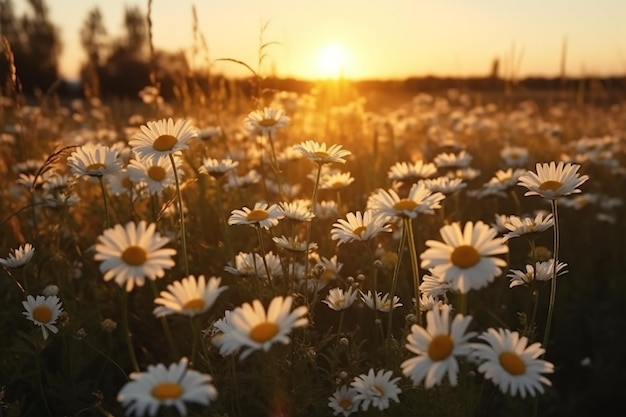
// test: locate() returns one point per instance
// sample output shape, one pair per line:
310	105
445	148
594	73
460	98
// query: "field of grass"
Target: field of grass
76	356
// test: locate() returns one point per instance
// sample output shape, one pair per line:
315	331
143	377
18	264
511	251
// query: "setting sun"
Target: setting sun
331	60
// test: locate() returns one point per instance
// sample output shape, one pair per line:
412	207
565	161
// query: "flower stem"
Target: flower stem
267	269
179	199
555	256
126	329
394	279
166	327
107	221
408	225
308	232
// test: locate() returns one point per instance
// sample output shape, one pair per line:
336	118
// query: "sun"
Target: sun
331	60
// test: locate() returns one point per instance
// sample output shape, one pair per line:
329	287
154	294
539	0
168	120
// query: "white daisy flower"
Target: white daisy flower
43	311
266	121
343	402
18	257
445	185
251	265
162	138
262	215
338	299
453	160
411	172
94	161
297	210
359	227
376	389
552	181
465	258
335	181
541	272
189	296
381	302
254	328
437	347
217	168
132	253
156	173
321	154
520	226
292	244
159	386
511	364
419	200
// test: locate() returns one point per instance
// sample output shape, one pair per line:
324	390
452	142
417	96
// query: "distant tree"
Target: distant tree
94	40
35	43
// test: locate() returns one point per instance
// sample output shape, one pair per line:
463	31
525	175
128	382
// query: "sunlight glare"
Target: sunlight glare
331	60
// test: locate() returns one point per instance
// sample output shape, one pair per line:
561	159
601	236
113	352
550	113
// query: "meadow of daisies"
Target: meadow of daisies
294	255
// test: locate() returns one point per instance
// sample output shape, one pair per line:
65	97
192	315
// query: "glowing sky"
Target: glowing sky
377	39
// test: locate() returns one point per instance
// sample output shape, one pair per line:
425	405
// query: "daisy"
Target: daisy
419	200
343	402
514	156
358	227
217	168
254	328
235	181
169	386
445	185
411	173
320	154
43	311
120	183
156	173
330	267
522	226
94	161
434	287
292	244
336	181
266	121
452	160
189	297
510	363
18	257
376	389
162	138
553	180
505	179
338	299
465	258
251	265
437	347
261	215
382	302
132	253
297	210
327	209
541	272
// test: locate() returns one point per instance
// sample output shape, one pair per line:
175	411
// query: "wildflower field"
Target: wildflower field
319	254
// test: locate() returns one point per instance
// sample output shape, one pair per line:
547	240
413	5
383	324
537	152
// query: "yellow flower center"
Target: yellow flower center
96	166
465	256
550	185
321	155
196	304
263	332
328	274
167	391
440	347
164	143
379	390
268	122
42	314
512	363
337	184
345	403
360	230
134	255
157	172
257	215
405	204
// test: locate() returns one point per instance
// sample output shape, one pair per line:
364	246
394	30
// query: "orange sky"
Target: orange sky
377	39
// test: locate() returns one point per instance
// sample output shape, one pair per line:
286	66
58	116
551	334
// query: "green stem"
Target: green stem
179	199
166	326
40	383
126	330
267	269
394	279
107	221
220	210
408	225
555	256
308	232
194	339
